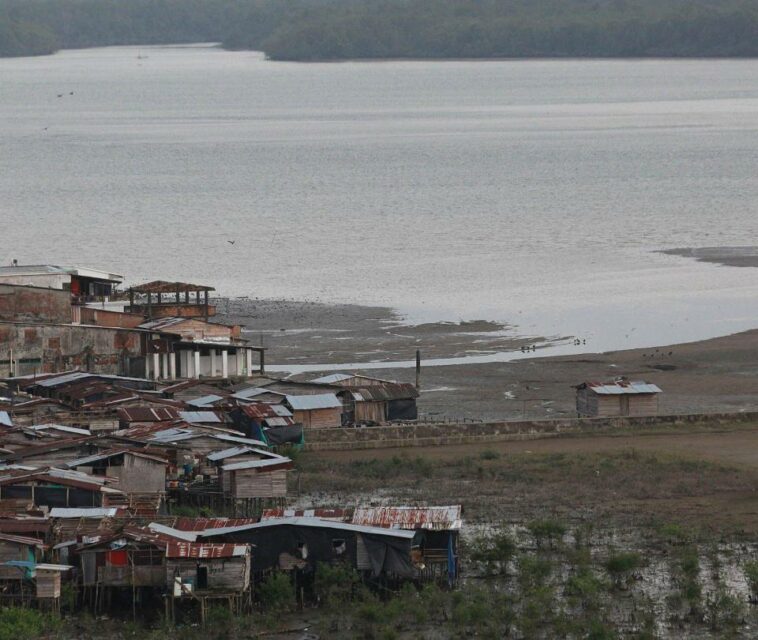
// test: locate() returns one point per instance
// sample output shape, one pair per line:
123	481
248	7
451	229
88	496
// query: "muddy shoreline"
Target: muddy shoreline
714	375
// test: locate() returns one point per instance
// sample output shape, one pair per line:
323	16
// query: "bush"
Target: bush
621	566
334	584
16	624
723	610
533	572
493	550
277	593
751	575
550	530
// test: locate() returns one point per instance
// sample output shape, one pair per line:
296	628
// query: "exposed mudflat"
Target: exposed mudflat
708	376
727	256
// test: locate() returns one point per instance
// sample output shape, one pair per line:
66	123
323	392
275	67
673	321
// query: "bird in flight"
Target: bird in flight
231	241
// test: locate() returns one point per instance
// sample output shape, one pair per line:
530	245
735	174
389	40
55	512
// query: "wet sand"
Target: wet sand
708	376
726	256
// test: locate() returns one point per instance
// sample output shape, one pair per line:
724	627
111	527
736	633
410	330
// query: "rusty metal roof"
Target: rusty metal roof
147	414
338	515
162	286
205	550
384	392
435	518
201	524
261	410
31	542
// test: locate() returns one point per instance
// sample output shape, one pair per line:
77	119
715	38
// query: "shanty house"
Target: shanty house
373	400
18	556
302	543
135	471
437	528
48	487
616	398
266	478
316	411
196	567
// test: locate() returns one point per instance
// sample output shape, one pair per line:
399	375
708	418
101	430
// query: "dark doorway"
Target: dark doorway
202	577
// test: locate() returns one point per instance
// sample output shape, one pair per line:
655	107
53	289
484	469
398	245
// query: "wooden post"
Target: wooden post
263	361
418	369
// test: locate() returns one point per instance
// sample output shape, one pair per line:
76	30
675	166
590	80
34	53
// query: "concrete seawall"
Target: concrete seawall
421	435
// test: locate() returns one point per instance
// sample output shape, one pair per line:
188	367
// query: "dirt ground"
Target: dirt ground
705	480
700	377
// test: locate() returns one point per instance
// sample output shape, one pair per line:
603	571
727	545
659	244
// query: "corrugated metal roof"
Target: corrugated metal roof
251	392
332	378
5	419
279	422
205	550
204	401
435	518
32	542
228	453
201	524
316	401
46	566
310	522
147	414
86	512
58	427
384	392
257	464
187	536
338	515
622	387
228	438
199	416
104	455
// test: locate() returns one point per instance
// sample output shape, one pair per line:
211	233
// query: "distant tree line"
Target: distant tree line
350	29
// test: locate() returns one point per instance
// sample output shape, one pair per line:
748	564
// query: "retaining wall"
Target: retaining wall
418	435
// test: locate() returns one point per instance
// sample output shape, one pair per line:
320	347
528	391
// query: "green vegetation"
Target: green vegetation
23	623
363	29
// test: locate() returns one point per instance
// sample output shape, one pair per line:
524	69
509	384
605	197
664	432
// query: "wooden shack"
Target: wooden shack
135	471
265	478
18	556
48	579
193	567
316	411
617	398
49	487
303	543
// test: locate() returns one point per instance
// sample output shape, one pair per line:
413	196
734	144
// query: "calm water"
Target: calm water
528	192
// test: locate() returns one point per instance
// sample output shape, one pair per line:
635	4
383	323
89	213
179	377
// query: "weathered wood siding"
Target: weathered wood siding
12	551
370	411
249	483
591	404
139	475
48	584
319	418
224	574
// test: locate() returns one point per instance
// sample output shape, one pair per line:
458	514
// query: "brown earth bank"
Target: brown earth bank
717	375
706	480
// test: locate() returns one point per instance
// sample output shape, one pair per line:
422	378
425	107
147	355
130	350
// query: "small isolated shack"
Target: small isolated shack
617	398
